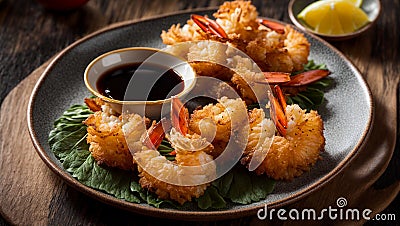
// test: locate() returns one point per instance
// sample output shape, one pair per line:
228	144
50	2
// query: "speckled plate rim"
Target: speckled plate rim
181	214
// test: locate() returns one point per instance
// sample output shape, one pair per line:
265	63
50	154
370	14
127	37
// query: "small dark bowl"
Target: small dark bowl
124	56
371	7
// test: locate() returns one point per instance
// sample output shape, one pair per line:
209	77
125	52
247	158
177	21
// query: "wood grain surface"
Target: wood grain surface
30	194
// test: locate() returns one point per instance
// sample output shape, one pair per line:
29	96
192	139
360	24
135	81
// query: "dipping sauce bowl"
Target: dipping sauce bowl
139	80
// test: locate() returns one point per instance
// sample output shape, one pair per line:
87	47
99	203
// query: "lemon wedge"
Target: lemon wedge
333	17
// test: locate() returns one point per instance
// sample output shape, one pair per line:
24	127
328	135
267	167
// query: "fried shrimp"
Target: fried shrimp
218	116
218	121
177	33
207	58
187	177
297	47
94	104
274	48
245	80
160	172
191	172
108	135
238	18
285	157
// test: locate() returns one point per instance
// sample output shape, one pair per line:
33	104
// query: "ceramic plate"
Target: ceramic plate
347	113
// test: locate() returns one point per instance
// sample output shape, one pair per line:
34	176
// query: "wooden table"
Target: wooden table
29	36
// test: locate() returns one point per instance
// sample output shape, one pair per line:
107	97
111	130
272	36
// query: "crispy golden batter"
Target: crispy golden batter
217	122
244	89
272	51
175	181
163	190
108	136
210	116
212	70
246	80
188	32
108	145
238	18
94	104
208	59
298	48
217	119
286	157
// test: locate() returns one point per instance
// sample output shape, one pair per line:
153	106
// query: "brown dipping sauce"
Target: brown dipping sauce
120	84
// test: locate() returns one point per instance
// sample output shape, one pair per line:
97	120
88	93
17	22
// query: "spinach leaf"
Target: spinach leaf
147	196
68	142
238	186
311	65
211	199
111	180
243	187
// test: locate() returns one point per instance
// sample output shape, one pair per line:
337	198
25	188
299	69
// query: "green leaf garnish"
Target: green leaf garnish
243	187
211	199
311	65
165	149
68	143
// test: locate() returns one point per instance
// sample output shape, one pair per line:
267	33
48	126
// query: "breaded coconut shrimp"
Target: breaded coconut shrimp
272	46
154	176
235	68
208	59
218	121
248	80
225	63
251	84
290	153
193	169
108	135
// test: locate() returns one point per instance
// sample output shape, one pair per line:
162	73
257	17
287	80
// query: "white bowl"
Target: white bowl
371	7
116	58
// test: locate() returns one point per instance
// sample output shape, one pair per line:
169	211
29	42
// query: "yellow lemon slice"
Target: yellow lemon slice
333	17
